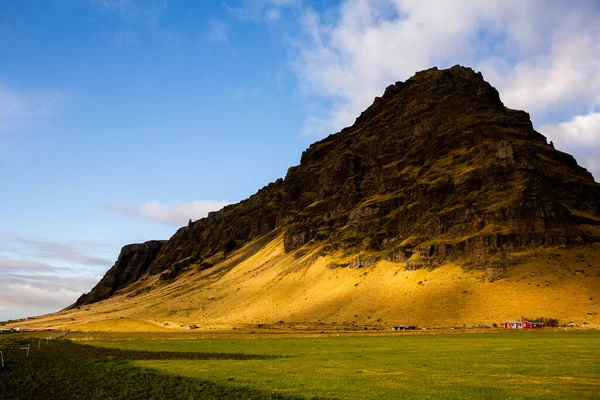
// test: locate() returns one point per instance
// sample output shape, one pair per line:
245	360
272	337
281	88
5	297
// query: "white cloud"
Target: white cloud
177	213
30	288
568	74
40	275
17	295
581	130
40	296
539	54
592	163
579	136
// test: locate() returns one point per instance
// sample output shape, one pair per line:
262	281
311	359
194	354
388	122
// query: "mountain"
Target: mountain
437	172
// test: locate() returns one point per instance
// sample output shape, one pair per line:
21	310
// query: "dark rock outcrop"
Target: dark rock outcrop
132	264
437	168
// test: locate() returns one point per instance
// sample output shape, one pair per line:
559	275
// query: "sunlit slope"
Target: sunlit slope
266	286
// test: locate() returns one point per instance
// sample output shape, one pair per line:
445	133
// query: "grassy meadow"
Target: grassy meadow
515	365
466	366
60	369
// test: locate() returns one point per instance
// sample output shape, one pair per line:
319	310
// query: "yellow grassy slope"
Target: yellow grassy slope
271	286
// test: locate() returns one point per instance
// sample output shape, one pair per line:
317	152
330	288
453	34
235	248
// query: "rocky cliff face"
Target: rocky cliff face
132	264
437	168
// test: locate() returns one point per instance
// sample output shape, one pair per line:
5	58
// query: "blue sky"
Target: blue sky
121	119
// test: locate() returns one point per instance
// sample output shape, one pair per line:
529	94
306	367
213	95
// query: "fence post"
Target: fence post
26	348
39	343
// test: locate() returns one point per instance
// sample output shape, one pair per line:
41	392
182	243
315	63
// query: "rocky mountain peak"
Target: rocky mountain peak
454	86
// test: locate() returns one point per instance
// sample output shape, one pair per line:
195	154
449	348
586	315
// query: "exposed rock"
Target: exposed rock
296	236
494	273
133	262
505	152
362	262
412	265
333	265
398	255
178	267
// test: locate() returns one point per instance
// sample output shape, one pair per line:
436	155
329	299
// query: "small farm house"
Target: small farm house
533	324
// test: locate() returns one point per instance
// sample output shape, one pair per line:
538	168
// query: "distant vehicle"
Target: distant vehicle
513	325
404	328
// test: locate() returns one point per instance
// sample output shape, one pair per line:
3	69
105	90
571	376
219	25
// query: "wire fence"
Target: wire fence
15	348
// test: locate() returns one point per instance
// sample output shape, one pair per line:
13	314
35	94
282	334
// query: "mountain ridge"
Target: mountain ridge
435	170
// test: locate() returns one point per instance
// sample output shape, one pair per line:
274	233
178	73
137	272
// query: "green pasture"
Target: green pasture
59	369
519	365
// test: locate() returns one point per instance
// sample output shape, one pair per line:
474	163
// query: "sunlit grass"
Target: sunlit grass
494	365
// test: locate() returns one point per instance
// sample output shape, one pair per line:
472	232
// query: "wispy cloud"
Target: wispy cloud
137	21
23	266
240	94
12	104
29	287
23	296
40	275
150	11
122	6
177	213
217	31
31	246
16	106
28	296
260	10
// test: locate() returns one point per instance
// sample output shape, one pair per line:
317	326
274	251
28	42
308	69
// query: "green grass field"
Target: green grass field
60	369
524	365
513	365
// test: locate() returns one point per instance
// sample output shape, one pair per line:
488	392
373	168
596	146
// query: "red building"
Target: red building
533	324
